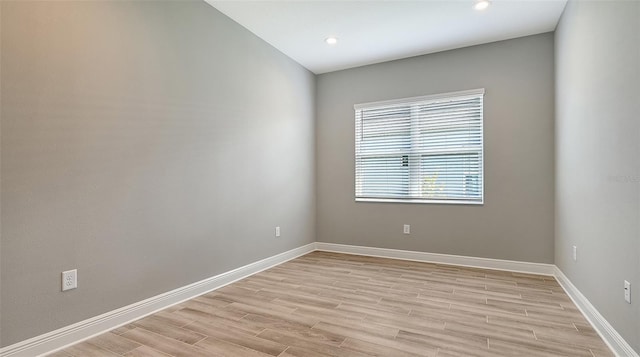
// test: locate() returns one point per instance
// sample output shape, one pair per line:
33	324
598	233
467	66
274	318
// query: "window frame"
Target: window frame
421	100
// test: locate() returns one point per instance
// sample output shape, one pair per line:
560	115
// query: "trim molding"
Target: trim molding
459	260
609	335
68	335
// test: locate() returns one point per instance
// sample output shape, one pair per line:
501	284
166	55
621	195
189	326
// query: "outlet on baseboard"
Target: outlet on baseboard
575	253
69	279
407	229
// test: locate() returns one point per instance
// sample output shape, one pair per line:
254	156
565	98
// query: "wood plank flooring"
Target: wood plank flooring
327	304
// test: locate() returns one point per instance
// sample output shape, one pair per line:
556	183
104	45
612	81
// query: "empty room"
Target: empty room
307	178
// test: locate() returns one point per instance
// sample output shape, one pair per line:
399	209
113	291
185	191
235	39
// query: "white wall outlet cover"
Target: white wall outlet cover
69	279
407	229
627	291
575	253
277	231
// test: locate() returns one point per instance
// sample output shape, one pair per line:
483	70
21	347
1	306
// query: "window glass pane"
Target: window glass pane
385	131
451	176
384	176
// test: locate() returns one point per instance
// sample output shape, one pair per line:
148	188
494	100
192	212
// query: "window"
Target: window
423	149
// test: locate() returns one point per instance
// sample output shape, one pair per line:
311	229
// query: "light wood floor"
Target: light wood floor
326	304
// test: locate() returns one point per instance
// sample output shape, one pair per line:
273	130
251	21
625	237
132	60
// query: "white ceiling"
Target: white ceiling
377	31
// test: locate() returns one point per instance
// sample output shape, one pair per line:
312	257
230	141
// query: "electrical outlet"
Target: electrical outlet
575	253
407	229
277	231
627	291
69	279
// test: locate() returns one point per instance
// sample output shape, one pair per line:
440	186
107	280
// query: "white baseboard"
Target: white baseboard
610	336
459	260
83	330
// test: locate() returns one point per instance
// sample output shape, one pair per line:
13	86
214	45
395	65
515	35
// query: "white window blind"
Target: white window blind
422	149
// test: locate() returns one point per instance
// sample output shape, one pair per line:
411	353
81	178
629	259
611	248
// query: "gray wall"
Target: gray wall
147	144
598	151
516	221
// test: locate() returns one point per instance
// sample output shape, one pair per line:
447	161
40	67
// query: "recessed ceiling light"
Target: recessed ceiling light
481	5
331	40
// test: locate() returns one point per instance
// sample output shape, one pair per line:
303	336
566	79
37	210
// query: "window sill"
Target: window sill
395	200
